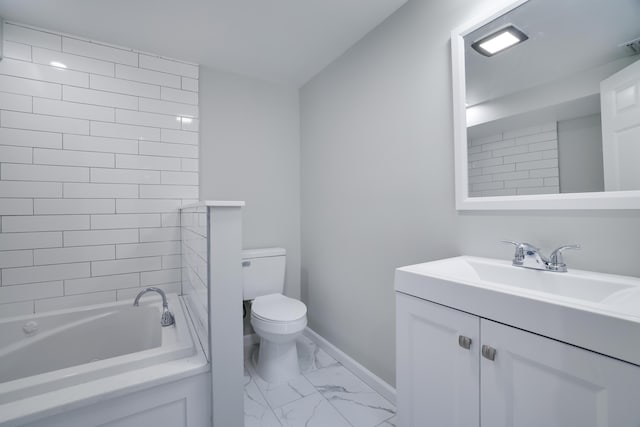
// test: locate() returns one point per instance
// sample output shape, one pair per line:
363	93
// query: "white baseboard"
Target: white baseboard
371	379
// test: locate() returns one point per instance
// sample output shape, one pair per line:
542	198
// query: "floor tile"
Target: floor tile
311	411
391	422
355	400
326	395
257	412
312	357
279	394
361	409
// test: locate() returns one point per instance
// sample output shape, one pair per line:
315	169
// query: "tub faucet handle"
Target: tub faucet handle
167	317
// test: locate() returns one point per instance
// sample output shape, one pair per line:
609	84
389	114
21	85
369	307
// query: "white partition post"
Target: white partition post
225	313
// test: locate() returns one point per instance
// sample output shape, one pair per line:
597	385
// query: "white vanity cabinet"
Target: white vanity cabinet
532	380
437	380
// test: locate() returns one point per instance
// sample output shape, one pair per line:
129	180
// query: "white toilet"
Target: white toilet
277	319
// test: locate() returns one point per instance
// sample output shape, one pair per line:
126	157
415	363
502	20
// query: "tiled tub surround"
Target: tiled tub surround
512	163
95	161
326	394
195	268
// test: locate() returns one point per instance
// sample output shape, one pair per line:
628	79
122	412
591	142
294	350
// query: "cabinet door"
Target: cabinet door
437	379
535	381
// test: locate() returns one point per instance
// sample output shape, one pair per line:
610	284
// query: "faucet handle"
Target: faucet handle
556	260
518	256
523	245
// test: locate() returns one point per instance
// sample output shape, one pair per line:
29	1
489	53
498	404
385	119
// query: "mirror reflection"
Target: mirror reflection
553	99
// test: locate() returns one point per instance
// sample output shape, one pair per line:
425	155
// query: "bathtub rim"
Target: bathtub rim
64	377
73	397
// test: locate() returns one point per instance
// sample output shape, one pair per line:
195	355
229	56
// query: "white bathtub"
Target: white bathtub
65	350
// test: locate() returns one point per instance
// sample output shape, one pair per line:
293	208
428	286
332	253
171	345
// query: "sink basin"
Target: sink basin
605	289
600	312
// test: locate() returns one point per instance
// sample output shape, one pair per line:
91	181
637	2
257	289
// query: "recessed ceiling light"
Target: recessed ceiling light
499	40
57	64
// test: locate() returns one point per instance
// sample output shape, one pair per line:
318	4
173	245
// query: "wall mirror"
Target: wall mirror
547	106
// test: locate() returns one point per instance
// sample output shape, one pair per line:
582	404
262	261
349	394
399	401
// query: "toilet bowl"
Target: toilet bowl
277	319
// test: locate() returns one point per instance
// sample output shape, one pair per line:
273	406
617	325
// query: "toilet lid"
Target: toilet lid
278	308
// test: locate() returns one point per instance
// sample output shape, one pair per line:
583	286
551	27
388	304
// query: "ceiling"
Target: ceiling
285	41
565	37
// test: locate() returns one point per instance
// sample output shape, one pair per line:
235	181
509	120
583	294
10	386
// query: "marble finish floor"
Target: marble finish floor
326	394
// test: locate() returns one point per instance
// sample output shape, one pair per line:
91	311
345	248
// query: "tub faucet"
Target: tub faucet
528	256
167	318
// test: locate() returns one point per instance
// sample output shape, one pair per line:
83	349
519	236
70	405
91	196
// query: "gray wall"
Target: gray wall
580	154
249	136
378	185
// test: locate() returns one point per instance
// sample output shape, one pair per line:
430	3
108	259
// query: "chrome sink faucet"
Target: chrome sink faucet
167	318
528	256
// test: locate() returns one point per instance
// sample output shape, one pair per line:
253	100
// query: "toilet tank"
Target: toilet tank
263	272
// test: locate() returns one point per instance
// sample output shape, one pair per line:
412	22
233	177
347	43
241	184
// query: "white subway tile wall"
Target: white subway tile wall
195	268
520	162
96	160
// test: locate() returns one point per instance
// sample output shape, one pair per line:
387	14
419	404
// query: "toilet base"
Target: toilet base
276	362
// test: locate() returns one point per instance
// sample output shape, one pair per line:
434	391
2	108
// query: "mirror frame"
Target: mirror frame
563	201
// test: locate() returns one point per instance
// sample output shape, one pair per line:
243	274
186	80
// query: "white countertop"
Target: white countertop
588	324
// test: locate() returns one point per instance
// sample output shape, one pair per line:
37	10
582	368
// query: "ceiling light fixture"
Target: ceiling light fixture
500	40
57	64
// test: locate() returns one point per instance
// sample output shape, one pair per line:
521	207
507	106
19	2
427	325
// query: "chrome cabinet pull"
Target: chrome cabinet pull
488	352
464	342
